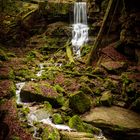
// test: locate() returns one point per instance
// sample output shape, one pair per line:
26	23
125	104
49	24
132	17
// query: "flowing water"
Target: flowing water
33	116
80	27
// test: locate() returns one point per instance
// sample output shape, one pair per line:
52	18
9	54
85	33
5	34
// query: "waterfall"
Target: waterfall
80	27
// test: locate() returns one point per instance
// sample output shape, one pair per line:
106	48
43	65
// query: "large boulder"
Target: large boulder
41	91
79	102
115	121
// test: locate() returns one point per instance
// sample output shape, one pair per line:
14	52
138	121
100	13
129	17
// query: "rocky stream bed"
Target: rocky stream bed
45	96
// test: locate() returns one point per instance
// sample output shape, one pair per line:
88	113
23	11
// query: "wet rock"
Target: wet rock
79	102
114	66
115	120
106	98
6	73
76	136
7	89
42	91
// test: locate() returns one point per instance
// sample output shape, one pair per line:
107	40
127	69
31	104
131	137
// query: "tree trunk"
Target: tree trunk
97	43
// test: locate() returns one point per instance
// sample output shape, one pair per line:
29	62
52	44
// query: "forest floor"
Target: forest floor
110	83
88	99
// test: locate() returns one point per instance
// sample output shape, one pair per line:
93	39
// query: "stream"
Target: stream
37	115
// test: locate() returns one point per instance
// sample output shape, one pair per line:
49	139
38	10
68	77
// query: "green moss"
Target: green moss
106	98
91	129
54	135
57	118
3	56
59	89
86	89
11	74
79	102
12	89
48	106
76	123
15	138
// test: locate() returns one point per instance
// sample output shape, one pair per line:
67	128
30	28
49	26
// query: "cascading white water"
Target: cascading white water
80	27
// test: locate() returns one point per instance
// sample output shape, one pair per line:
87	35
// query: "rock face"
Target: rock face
42	91
116	120
80	102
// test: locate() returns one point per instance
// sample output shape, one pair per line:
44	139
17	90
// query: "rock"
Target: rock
57	118
76	123
7	89
112	53
106	98
115	120
114	66
79	102
76	136
6	73
41	91
136	105
58	29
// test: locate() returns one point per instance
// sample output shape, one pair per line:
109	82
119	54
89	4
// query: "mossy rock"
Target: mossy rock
86	89
76	123
57	118
79	102
49	133
106	98
40	92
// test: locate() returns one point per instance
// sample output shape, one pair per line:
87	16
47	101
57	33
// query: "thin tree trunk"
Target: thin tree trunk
97	43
